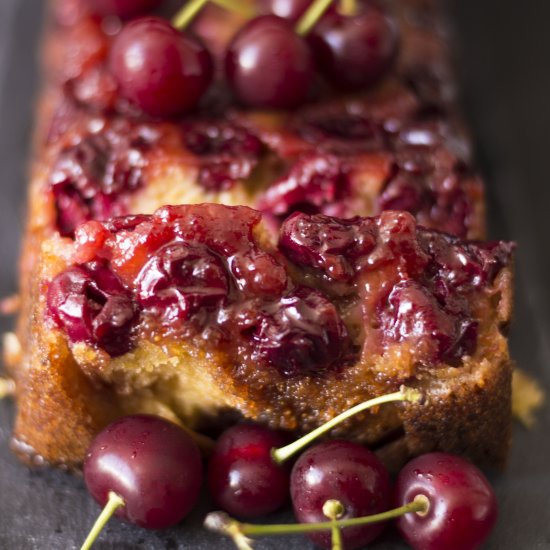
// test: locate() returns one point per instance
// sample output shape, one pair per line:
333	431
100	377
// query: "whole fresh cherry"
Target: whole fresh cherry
153	465
243	477
161	70
353	52
345	472
462	507
123	8
269	65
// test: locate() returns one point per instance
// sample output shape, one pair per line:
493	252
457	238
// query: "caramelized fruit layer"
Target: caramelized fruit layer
394	147
308	306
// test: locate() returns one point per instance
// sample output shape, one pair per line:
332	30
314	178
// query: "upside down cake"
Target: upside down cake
273	265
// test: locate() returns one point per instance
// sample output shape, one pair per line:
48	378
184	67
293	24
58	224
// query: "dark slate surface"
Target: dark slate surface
505	66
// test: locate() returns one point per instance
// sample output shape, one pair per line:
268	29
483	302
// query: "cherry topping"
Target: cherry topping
314	184
346	472
355	51
462	505
123	8
152	464
327	244
414	315
302	334
92	306
269	65
180	279
161	70
227	152
91	178
403	192
243	477
341	132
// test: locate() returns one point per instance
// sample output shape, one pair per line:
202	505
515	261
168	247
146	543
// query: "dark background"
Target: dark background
504	60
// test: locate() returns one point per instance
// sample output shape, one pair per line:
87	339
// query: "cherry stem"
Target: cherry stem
336	534
222	523
312	16
113	504
334	510
404	394
7	387
186	15
348	7
244	8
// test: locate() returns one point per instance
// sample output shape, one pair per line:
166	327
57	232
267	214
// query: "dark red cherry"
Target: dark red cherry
159	69
329	245
462	505
313	184
243	478
90	304
343	471
404	192
123	8
269	65
227	152
289	9
354	52
152	464
413	315
91	178
180	279
302	333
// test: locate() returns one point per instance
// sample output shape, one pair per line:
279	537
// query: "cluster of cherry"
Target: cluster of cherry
149	471
272	62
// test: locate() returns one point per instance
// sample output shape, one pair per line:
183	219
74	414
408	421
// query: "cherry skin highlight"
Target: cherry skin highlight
243	478
152	464
463	507
346	472
161	70
268	65
123	8
289	9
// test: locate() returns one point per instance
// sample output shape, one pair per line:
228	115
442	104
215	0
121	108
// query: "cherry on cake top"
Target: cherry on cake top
314	162
417	158
201	271
270	62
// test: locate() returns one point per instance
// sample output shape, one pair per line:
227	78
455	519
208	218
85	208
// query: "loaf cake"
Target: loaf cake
274	266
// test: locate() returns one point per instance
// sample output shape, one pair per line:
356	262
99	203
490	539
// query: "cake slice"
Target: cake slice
279	310
197	314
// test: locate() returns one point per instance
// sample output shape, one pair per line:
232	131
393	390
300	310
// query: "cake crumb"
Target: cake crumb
527	398
12	350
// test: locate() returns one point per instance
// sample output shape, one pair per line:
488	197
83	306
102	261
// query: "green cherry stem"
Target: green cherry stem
312	15
222	523
336	534
334	510
244	8
113	504
348	7
404	394
186	15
